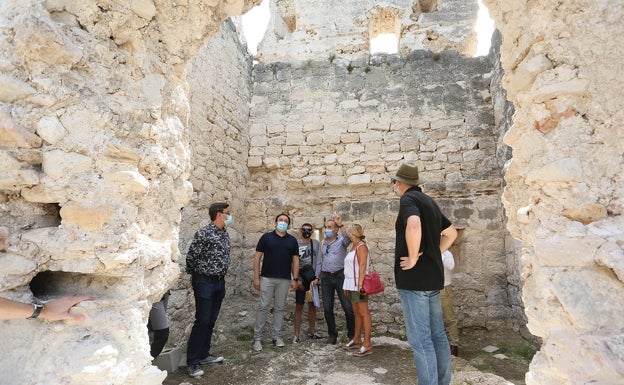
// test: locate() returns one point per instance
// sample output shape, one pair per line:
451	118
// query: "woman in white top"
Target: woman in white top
354	271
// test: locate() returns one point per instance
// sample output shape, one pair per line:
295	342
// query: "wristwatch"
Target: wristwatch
38	307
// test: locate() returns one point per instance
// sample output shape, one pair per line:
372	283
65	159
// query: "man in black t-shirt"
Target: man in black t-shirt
422	231
276	261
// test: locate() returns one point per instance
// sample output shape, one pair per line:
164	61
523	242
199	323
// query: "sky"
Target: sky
256	20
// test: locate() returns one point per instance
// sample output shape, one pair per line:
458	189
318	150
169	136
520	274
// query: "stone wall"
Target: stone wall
94	172
219	95
301	30
325	134
563	199
96	161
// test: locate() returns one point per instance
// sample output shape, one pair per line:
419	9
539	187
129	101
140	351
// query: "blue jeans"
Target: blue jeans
209	294
426	336
329	284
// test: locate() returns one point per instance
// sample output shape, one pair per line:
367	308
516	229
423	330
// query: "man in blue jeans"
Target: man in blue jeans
207	261
331	273
422	232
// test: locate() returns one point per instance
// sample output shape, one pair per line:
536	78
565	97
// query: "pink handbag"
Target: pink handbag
372	281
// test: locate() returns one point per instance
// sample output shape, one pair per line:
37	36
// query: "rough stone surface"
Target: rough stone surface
95	169
302	30
102	137
564	183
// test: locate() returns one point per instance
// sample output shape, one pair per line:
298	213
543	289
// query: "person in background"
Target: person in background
158	325
207	261
331	273
309	251
355	267
276	259
54	310
422	232
446	298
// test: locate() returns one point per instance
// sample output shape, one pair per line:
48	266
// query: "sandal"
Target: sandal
315	336
363	352
352	345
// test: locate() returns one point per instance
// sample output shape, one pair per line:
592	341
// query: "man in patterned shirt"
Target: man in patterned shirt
207	261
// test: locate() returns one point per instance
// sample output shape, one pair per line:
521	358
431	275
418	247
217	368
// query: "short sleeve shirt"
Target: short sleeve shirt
278	254
306	252
428	273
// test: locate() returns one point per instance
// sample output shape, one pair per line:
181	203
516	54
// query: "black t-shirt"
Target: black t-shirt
428	273
278	254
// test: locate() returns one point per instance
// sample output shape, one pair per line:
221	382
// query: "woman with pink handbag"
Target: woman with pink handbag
356	266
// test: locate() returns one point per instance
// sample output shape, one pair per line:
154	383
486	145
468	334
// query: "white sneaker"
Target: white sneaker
211	359
278	342
195	371
257	346
296	340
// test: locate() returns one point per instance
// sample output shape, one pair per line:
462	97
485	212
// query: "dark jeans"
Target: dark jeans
329	284
209	294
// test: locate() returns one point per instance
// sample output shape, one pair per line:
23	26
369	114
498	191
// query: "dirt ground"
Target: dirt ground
313	362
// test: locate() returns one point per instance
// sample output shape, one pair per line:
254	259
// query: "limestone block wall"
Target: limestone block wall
219	79
564	190
325	134
315	30
94	169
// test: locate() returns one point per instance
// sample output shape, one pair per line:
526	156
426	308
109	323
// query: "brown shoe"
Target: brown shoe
454	351
332	340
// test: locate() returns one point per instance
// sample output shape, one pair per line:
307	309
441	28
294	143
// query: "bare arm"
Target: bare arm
256	266
362	257
54	310
413	237
448	237
294	271
295	266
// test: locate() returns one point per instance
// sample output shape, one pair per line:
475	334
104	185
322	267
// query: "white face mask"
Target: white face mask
228	220
282	226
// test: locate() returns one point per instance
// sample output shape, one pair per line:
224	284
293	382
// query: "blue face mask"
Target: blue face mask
228	221
329	233
282	226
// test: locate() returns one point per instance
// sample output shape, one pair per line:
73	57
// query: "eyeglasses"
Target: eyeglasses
393	181
225	212
326	249
306	229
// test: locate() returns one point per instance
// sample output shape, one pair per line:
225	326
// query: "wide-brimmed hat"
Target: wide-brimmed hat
408	174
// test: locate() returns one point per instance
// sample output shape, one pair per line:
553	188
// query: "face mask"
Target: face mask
306	233
228	221
282	226
329	233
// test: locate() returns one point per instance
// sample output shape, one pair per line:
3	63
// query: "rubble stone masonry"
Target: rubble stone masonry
121	121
